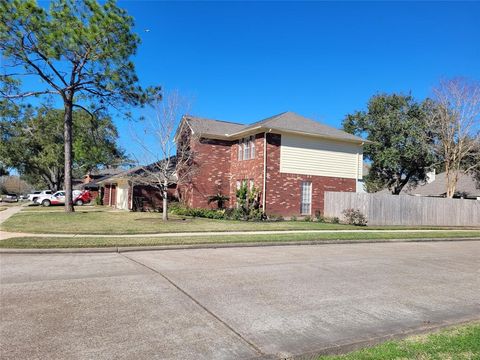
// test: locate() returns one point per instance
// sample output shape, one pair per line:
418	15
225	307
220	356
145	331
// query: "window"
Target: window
239	184
306	203
246	148
252	184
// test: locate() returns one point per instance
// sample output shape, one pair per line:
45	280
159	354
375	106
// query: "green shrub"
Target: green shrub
319	217
354	217
293	218
335	220
98	200
307	219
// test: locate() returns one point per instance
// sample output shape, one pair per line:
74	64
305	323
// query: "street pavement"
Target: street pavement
231	303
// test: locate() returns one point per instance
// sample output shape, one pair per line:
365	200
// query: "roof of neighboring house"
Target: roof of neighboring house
137	170
466	186
286	121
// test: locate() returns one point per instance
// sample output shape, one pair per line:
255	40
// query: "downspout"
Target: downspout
110	197
357	170
264	197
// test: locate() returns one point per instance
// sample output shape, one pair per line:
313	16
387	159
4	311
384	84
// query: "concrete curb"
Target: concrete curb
124	249
353	346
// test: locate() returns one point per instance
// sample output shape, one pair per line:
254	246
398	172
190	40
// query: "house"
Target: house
127	190
436	186
291	159
90	180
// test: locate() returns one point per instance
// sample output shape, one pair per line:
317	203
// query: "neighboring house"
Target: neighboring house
436	185
126	191
90	180
292	160
361	186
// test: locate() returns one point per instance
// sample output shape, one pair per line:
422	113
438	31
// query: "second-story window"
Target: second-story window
246	148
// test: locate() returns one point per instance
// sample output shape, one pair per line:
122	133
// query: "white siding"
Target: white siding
315	156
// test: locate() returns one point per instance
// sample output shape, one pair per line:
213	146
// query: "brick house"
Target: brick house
122	191
291	159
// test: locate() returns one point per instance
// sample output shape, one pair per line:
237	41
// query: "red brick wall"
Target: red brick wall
212	172
106	195
246	169
284	190
146	198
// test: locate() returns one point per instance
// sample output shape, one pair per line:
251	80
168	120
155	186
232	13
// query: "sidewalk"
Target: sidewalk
5	214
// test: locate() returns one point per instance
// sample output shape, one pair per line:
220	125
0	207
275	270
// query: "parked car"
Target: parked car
36	194
10	197
79	198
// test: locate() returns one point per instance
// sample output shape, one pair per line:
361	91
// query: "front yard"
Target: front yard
103	227
103	221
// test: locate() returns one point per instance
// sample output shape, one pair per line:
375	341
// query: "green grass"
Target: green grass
120	222
80	242
3	208
460	342
98	220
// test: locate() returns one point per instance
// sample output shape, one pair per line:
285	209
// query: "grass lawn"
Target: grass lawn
98	220
79	242
460	342
3	208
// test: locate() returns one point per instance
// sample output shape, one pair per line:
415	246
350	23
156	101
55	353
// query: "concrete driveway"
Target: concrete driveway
237	303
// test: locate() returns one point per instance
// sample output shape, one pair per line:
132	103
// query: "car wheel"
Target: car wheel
79	202
46	203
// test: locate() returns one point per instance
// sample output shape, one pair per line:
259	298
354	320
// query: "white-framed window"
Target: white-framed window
239	184
246	148
306	200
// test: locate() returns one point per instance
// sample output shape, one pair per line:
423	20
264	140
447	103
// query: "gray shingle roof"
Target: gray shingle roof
286	121
213	127
466	187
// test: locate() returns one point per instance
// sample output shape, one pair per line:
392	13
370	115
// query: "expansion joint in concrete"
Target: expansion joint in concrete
223	322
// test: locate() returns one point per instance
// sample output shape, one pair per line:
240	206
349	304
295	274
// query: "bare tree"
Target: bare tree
455	121
171	159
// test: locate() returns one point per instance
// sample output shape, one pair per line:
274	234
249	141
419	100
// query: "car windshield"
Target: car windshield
37	192
61	193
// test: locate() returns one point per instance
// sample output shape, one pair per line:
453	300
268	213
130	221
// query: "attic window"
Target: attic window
246	148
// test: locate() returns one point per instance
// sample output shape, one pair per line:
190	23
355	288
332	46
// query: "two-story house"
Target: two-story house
292	160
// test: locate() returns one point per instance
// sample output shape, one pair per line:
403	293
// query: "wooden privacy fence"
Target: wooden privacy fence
383	209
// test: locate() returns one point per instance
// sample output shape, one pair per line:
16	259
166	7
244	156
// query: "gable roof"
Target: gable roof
466	186
283	122
213	127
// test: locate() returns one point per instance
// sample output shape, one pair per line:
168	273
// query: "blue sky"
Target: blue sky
244	61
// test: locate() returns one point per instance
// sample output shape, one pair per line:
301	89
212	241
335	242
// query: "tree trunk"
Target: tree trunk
67	125
451	184
165	202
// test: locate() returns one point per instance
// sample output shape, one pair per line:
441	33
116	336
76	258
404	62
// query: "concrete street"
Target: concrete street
232	303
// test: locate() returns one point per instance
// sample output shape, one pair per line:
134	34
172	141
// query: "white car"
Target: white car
36	194
79	198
